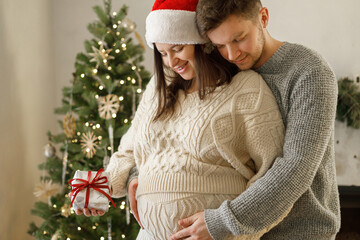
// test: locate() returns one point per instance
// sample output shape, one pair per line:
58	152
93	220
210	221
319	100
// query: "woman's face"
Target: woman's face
180	58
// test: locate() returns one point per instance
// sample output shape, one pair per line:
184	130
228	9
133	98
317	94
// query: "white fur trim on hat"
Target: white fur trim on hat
173	27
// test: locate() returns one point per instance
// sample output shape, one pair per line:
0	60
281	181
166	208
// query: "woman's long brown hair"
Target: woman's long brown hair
212	70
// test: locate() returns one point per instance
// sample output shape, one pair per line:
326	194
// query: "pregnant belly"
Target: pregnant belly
159	213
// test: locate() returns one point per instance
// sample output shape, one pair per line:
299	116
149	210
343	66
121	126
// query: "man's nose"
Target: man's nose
233	52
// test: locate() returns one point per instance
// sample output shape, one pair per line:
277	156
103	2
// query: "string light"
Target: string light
102	238
78	133
114	115
126	121
133	68
54	206
109	148
97	96
123	45
108	77
45	232
114	13
109	68
95	71
128	78
79	228
99	42
82	75
117	50
122	236
94	127
122	82
121	98
99	137
93	227
87	124
101	87
97	125
68	239
122	39
119	22
117	33
115	26
139	90
133	81
105	61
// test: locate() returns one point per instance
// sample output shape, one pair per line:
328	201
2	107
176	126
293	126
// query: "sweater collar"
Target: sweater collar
275	62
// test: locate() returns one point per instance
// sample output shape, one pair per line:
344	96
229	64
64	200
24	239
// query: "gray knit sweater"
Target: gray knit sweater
305	88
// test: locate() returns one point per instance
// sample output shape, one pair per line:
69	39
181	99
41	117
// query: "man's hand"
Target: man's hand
132	199
89	212
194	227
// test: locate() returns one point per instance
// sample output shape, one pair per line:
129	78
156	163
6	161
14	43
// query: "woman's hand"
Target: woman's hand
132	199
89	212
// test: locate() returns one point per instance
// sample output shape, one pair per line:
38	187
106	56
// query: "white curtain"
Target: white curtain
26	108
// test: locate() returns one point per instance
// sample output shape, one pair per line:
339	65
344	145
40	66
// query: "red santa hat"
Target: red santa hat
172	21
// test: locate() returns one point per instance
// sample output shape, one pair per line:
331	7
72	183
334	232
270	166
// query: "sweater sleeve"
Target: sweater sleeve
310	123
122	161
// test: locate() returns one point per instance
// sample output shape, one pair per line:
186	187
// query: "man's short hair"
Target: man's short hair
211	13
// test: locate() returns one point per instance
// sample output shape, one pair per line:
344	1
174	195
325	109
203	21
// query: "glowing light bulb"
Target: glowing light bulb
114	115
109	148
117	50
126	121
100	137
108	77
109	68
139	90
115	26
114	13
122	81
123	45
121	98
95	71
82	75
54	206
101	87
133	67
97	125
97	96
79	228
87	124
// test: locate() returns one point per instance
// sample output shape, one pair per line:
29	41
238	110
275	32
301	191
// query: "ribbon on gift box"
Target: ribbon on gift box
95	184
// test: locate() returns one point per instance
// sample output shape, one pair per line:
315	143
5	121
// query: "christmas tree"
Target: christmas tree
98	108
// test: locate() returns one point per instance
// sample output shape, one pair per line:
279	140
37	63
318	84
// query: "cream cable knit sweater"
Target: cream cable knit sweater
213	147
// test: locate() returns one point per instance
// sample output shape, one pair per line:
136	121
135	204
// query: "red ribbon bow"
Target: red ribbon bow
94	184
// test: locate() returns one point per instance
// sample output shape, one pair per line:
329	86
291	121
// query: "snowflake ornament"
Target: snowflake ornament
108	106
69	125
88	144
100	55
46	189
66	210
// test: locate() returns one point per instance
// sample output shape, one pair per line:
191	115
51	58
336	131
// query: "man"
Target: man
306	91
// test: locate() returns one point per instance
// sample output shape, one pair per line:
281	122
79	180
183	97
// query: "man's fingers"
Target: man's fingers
181	234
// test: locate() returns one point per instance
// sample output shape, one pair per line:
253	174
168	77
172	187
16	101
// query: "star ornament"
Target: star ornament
46	189
88	144
100	55
108	106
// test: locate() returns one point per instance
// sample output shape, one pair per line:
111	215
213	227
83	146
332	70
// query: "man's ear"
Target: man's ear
264	17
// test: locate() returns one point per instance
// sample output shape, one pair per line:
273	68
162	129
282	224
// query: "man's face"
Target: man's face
240	41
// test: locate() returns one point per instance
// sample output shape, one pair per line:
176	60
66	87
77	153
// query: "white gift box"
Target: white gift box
97	199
